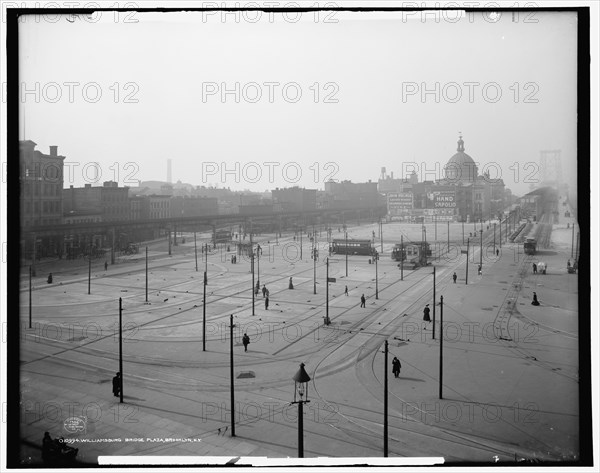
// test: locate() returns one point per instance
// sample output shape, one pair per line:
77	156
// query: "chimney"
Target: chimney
53	150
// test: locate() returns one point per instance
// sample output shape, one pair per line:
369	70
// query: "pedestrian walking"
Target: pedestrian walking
534	268
116	384
363	301
264	290
426	312
497	252
535	300
454	276
50	278
346	290
479	270
105	265
291	285
267	303
246	341
396	365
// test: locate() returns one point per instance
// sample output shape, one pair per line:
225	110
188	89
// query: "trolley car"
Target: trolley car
412	253
530	246
352	247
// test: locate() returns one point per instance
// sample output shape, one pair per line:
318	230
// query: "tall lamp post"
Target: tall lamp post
258	252
301	379
205	283
346	251
314	256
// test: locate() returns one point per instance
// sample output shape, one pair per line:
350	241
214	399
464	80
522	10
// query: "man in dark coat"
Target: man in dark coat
534	268
363	301
396	366
116	384
535	300
454	278
267	303
426	311
246	341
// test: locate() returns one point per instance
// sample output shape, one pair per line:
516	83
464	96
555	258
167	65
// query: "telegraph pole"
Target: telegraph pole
231	374
385	401
441	342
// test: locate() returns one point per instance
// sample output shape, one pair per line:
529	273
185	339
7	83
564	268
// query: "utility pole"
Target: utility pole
467	264
381	233
441	342
376	277
327	321
30	309
435	227
121	348
494	238
433	329
147	273
314	254
346	251
481	248
204	284
252	265
231	374
385	401
195	251
572	238
401	257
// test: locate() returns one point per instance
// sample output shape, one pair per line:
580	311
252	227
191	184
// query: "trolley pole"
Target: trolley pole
467	264
147	274
231	374
30	271
433	325
441	342
385	401
121	348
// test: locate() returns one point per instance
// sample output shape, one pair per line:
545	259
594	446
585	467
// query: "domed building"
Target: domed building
460	195
461	167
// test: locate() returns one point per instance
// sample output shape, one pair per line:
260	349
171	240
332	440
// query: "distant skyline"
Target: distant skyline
266	104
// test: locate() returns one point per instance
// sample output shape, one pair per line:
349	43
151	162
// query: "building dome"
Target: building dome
461	166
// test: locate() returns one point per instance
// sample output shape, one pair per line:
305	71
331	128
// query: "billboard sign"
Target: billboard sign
399	202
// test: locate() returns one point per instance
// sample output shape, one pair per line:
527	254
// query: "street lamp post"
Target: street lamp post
467	263
441	342
196	251
314	254
147	273
301	379
252	267
494	238
401	257
433	325
385	401
30	272
258	250
205	283
327	321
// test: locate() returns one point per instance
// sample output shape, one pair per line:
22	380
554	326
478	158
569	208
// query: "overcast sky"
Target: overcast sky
361	107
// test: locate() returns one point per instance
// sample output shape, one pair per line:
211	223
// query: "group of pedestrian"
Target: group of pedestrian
233	259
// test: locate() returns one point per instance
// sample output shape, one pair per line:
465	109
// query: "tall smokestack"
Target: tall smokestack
169	171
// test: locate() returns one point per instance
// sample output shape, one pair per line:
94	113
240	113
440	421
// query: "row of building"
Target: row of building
462	194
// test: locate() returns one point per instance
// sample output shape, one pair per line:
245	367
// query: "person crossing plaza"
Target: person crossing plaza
363	301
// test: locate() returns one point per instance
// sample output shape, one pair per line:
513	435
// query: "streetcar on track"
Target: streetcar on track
412	253
530	246
352	247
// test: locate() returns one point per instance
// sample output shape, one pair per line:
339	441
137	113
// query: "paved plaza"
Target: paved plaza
510	369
